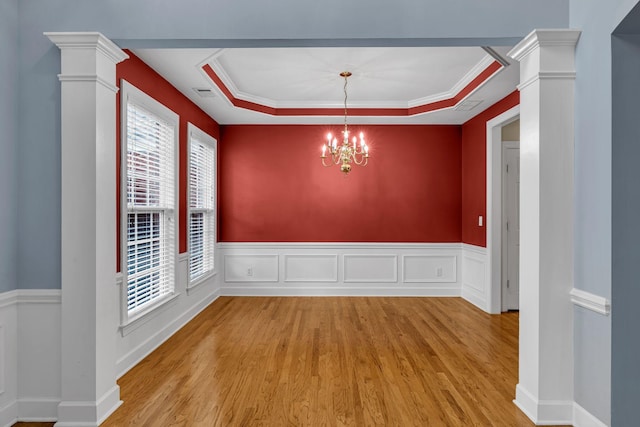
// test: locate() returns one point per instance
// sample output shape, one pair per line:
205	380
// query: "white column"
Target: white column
547	73
89	295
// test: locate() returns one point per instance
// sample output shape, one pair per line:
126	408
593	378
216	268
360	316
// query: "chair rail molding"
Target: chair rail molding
581	298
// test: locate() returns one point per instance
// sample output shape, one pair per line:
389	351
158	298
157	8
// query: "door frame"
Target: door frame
494	207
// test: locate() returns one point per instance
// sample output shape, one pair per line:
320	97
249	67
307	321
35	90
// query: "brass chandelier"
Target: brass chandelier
349	152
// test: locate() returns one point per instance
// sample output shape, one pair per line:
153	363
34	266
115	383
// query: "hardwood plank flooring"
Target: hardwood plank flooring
249	361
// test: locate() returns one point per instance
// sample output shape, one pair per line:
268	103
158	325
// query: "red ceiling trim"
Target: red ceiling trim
474	84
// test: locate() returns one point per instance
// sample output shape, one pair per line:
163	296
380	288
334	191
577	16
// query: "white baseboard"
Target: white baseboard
38	410
270	291
88	414
583	418
474	298
129	360
9	414
544	412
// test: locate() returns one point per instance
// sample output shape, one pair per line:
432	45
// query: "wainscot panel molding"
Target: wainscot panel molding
590	301
583	418
475	276
347	269
251	268
370	268
310	268
29	355
429	268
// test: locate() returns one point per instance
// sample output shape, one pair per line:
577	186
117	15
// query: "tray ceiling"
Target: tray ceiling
401	85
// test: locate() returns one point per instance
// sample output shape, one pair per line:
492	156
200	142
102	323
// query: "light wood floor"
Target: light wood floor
330	362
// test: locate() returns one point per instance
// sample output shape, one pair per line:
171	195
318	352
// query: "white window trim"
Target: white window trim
196	133
128	92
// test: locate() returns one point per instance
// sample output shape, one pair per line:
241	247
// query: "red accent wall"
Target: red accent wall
474	169
147	80
273	187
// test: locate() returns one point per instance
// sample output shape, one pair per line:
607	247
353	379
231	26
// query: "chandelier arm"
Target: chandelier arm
361	162
333	160
337	157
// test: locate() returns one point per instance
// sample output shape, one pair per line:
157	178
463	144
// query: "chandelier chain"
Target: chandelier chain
345	104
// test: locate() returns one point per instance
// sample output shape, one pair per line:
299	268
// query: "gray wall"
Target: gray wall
222	23
593	214
625	201
8	143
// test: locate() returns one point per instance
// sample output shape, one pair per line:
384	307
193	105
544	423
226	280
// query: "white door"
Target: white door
510	226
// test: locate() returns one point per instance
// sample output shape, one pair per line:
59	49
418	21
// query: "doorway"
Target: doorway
495	221
510	217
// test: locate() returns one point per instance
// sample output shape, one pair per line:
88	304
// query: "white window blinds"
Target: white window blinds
151	198
201	204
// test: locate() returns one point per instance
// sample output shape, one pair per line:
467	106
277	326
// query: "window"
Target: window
149	141
202	196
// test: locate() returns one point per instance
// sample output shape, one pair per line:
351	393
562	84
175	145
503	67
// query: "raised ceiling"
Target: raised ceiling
389	85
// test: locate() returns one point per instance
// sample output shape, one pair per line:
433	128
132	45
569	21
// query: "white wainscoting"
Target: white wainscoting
29	355
39	353
8	358
352	269
475	273
158	327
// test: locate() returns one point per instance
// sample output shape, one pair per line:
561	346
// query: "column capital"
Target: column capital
546	54
87	57
88	40
544	38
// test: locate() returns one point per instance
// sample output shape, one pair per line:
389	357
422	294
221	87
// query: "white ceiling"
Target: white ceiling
303	78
